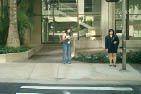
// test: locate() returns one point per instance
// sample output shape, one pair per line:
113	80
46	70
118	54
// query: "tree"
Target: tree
24	19
13	36
4	21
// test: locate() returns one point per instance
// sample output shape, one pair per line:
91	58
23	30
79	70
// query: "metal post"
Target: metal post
124	12
78	26
53	20
127	21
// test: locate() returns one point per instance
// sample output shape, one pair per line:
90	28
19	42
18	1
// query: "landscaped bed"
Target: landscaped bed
17	54
132	57
5	50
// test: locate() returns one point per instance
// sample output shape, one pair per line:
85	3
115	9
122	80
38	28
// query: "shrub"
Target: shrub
132	57
5	50
4	24
89	22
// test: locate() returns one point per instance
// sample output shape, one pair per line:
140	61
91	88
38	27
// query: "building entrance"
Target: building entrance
83	16
57	16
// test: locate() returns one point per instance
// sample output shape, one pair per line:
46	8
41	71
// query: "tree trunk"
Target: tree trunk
13	36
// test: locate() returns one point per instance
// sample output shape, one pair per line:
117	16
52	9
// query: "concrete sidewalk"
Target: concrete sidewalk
28	72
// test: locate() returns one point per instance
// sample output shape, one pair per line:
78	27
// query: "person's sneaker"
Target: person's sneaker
69	62
64	63
114	65
110	65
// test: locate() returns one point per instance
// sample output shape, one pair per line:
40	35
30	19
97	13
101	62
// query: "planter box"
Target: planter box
22	56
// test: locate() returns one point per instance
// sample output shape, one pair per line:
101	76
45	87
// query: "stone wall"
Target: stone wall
92	44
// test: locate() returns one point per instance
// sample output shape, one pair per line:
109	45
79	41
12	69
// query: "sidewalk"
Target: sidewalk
27	72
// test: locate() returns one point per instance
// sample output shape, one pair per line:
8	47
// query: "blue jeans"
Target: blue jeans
66	53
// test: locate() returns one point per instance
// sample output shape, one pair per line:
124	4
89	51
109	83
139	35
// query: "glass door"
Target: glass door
83	16
58	15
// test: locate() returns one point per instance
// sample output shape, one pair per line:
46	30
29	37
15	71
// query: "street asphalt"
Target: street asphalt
22	88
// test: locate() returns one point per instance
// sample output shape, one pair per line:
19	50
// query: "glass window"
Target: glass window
84	18
134	18
88	5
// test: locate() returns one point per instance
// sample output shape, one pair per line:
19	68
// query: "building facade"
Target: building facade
89	20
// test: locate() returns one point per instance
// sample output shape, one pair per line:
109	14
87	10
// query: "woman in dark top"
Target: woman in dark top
111	46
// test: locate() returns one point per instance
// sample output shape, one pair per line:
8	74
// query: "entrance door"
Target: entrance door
58	15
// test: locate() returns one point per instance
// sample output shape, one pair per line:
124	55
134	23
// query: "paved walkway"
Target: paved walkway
46	66
66	72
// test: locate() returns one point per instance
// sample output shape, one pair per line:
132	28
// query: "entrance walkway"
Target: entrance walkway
50	53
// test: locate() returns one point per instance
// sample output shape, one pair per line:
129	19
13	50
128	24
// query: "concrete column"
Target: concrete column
81	8
36	35
112	15
107	18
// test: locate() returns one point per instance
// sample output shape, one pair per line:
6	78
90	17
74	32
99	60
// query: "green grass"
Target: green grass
5	50
132	57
